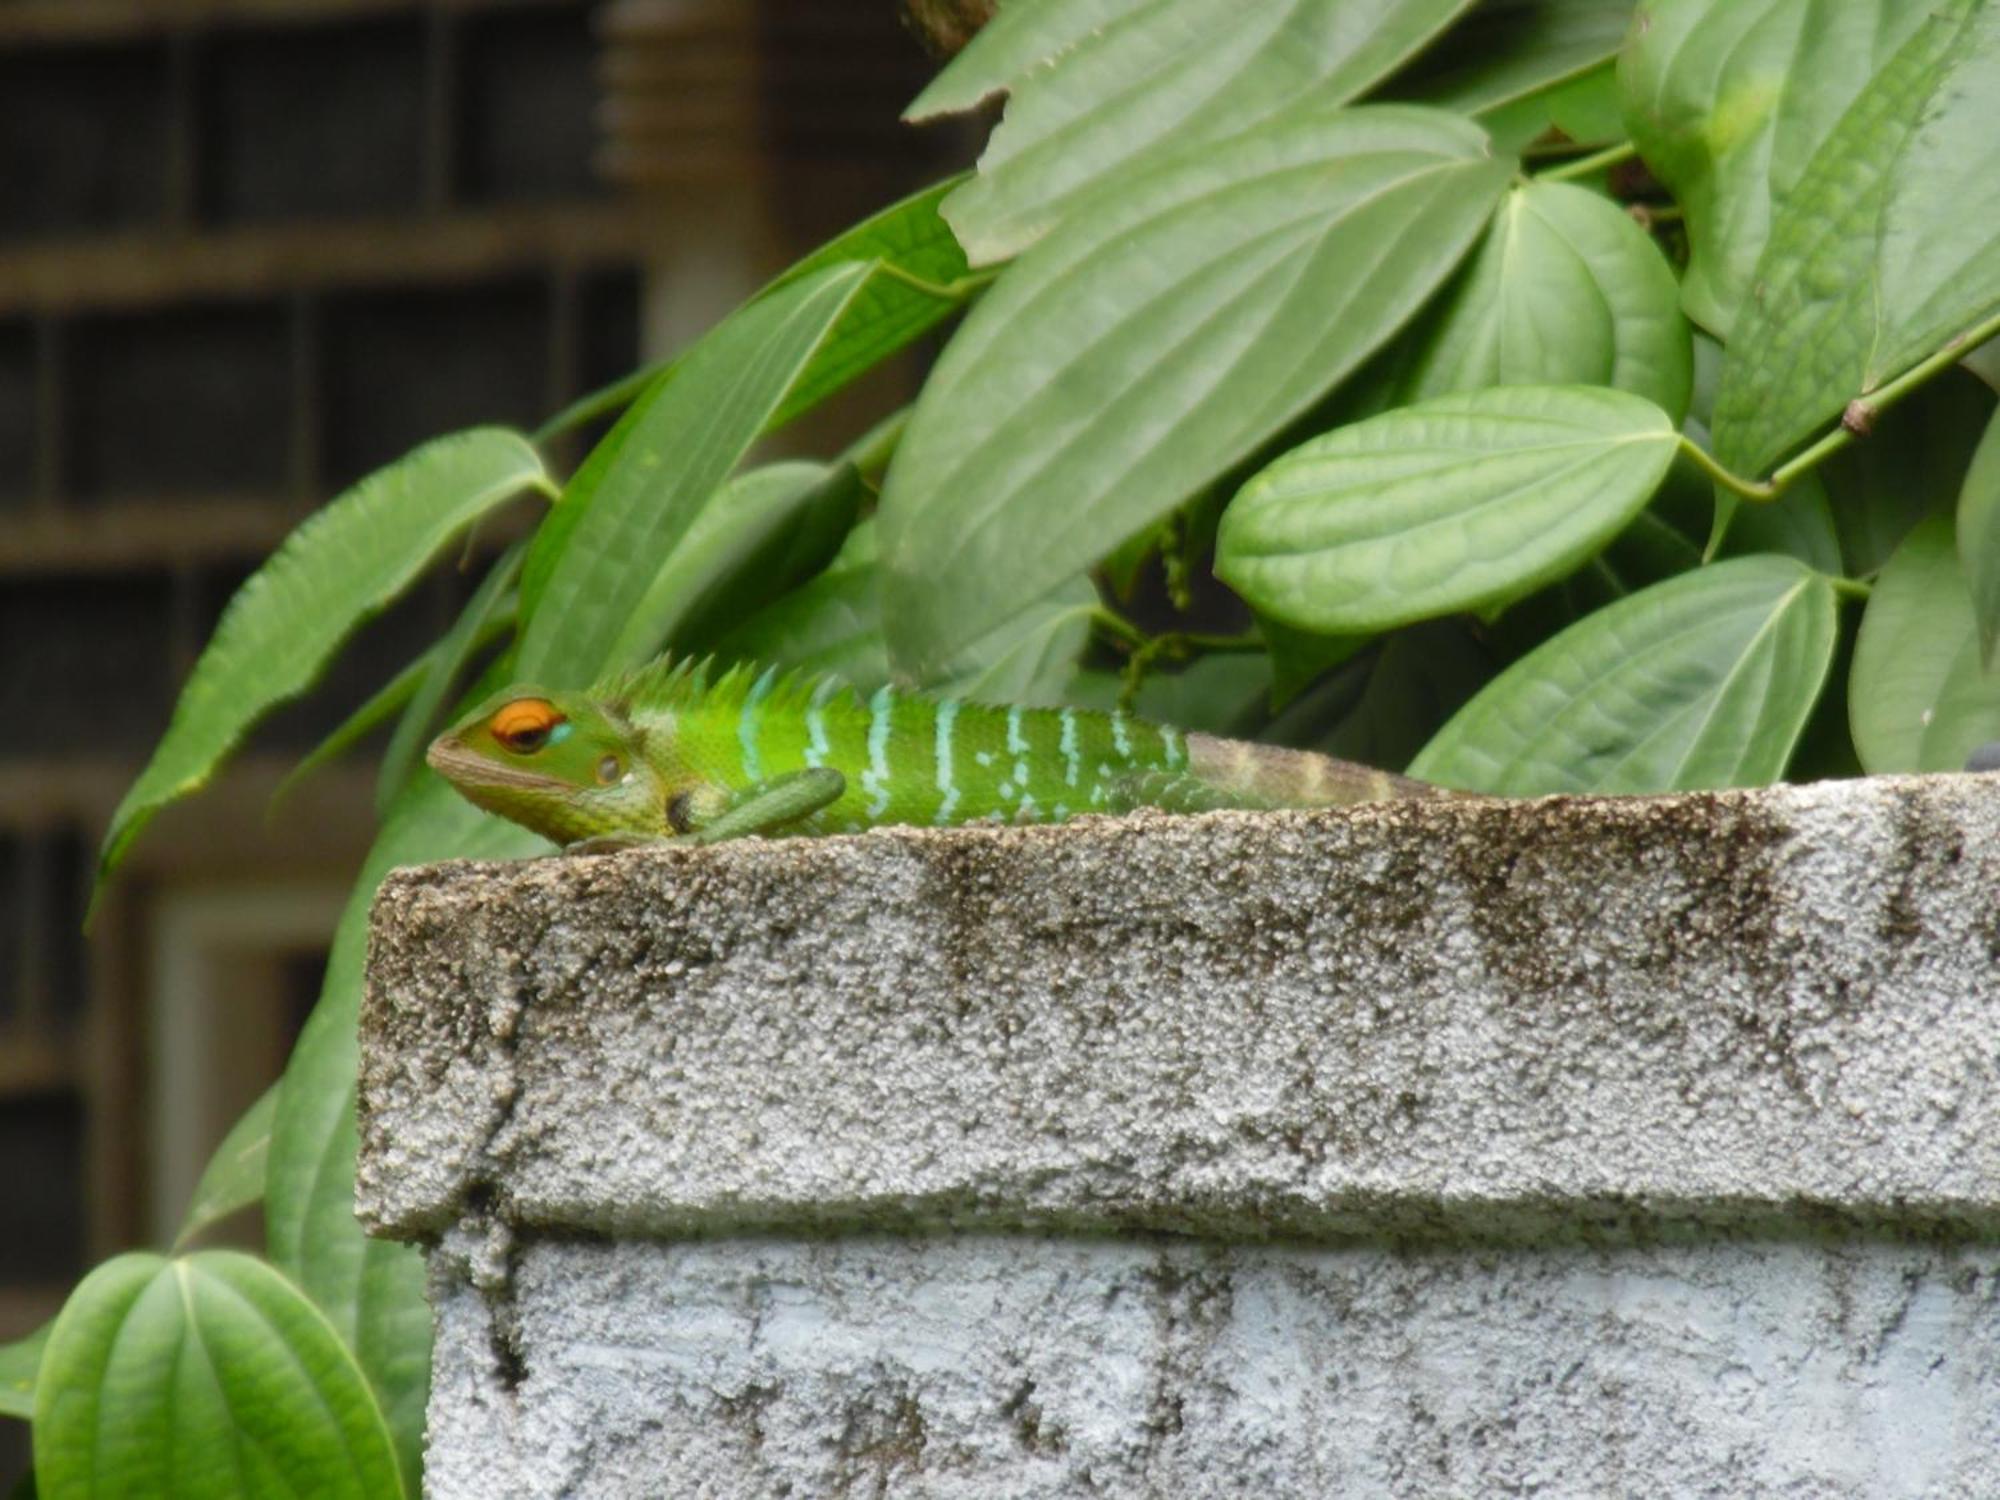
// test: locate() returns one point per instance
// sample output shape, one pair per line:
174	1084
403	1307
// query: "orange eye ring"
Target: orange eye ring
524	725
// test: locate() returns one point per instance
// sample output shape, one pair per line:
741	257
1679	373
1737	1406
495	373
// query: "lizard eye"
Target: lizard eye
525	725
608	770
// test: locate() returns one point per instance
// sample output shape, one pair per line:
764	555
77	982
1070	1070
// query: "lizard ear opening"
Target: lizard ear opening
525	725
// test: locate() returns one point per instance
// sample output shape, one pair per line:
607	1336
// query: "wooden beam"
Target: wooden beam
159	270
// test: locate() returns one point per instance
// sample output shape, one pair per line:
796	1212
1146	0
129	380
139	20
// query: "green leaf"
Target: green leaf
234	1176
1164	71
207	1375
1513	49
1884	251
1508	50
1728	100
831	624
1706	680
343	564
1460	502
19	1362
1918	698
454	652
1031	657
1565	290
1979	538
1141	351
1590	108
761	533
371	1290
639	491
1030	36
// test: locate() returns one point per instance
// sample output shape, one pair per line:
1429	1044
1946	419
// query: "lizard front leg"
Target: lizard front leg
766	805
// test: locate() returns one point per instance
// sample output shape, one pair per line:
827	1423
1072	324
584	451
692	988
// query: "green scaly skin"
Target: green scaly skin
674	752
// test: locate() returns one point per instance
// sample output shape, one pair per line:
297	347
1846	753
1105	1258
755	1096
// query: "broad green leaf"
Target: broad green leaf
371	1290
1161	72
1729	99
1918	698
761	533
1464	501
1031	657
832	623
207	1375
1848	298
454	653
890	311
1590	108
1139	352
1508	50
636	495
1565	290
342	565
1979	538
1706	680
19	1362
234	1176
1027	37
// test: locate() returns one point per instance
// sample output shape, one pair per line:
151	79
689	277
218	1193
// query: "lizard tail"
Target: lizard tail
1272	776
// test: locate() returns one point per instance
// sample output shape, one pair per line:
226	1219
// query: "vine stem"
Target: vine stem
1584	166
1855	422
1863	411
1749	489
956	290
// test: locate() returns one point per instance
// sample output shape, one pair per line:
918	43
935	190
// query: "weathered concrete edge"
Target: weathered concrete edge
484	1094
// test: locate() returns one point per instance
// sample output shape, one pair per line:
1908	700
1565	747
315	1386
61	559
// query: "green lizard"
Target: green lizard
678	752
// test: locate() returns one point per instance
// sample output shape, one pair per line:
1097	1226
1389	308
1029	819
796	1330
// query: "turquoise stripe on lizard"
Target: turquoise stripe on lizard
947	715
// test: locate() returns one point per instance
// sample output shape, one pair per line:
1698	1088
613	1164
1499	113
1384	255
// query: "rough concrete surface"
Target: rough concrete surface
1588	1146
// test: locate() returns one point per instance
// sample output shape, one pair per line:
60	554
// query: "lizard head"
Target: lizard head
557	763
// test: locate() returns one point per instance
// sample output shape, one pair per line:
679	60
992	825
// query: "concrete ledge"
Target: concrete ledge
1571	1147
1398	1018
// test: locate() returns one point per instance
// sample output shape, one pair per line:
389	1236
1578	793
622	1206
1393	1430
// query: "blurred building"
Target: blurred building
250	250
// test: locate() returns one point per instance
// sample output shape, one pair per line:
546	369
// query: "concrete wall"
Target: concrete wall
1574	1147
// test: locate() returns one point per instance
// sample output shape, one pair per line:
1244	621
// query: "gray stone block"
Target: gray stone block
1586	1146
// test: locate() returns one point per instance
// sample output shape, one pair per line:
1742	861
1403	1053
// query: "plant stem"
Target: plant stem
1585	166
945	291
1883	397
1118	627
1850	588
1749	489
